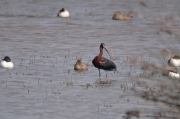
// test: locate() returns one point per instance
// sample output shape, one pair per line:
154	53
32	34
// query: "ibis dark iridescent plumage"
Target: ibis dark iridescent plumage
103	63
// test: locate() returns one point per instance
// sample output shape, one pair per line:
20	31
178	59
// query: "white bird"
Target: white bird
174	61
171	74
65	14
174	75
6	63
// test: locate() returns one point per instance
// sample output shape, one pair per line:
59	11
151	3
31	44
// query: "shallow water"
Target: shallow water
44	49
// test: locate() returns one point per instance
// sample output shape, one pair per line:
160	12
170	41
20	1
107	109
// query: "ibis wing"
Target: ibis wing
94	63
107	65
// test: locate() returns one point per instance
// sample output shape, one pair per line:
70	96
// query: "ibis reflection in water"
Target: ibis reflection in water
103	63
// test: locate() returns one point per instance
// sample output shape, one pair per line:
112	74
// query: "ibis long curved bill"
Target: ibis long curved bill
107	51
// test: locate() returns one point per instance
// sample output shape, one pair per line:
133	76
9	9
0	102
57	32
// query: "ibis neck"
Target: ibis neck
101	52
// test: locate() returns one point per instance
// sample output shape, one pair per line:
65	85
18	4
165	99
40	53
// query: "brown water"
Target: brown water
43	84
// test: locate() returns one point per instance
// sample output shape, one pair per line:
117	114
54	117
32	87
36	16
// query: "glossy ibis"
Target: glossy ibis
103	63
64	13
80	66
6	63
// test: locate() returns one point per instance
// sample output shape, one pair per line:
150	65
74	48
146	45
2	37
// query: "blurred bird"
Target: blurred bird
120	16
174	61
64	13
171	74
6	63
80	66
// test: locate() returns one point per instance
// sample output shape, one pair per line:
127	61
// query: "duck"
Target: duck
63	13
171	74
174	61
6	62
80	66
121	16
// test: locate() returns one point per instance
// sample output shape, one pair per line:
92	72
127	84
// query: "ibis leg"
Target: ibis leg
106	74
106	77
99	73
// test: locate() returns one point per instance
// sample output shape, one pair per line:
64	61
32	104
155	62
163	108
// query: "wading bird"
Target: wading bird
6	63
64	13
80	66
103	63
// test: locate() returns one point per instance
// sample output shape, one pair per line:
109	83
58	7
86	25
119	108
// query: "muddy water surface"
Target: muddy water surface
44	49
